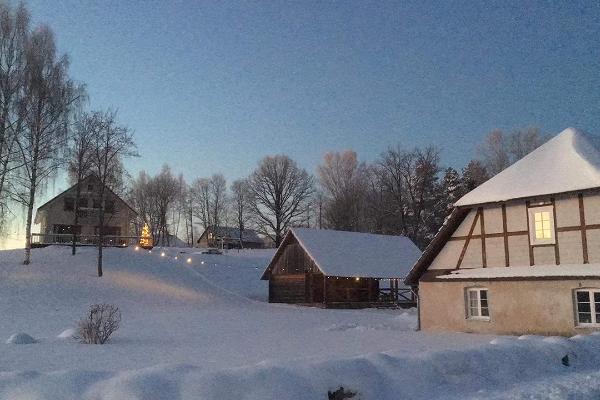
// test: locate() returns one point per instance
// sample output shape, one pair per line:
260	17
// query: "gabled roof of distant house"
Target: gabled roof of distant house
83	182
248	235
568	162
353	254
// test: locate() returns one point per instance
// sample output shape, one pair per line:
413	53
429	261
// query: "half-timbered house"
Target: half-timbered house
520	253
341	269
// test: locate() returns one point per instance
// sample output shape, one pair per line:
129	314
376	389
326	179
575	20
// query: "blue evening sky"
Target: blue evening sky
213	86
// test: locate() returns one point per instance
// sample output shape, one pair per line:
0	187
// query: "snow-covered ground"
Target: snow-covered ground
203	330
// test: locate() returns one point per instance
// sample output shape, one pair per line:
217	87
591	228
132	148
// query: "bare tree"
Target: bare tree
499	150
201	194
344	182
112	143
241	201
165	190
218	199
14	33
49	95
494	153
280	190
79	157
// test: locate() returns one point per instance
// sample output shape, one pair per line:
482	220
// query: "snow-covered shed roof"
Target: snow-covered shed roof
568	162
354	254
248	235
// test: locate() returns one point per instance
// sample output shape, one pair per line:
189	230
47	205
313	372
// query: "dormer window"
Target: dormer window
541	225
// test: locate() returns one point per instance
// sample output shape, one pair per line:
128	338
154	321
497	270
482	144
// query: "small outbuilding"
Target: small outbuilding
228	237
341	269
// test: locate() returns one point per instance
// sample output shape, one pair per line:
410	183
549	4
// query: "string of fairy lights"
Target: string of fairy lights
180	256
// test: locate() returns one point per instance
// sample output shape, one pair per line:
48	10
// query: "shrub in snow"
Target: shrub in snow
101	322
340	394
21	338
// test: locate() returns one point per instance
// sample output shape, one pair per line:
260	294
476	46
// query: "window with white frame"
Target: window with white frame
477	304
588	306
541	225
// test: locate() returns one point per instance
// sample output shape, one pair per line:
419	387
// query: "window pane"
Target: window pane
545	216
483	294
583	296
597	297
538	217
473	312
485	312
585	318
584	307
539	225
546	225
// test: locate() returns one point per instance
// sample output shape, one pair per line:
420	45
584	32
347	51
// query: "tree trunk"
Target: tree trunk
29	217
76	220
101	231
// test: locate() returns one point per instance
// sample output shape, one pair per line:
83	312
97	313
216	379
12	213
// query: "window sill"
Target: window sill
587	326
480	319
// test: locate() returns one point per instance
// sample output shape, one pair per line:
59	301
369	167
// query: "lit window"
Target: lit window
541	225
588	307
477	304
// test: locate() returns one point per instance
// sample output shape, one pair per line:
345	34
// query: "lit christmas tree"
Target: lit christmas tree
146	238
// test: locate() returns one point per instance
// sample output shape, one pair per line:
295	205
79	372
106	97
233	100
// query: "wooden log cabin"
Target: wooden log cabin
520	254
341	269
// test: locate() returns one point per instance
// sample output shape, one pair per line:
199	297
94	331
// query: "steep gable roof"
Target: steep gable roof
568	162
84	181
353	254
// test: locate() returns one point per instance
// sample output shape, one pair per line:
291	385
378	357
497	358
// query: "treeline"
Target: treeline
44	128
405	192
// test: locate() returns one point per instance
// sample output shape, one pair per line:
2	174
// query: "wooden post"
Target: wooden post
325	290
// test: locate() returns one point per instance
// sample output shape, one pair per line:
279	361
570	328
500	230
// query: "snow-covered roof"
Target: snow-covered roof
248	235
353	254
537	271
568	162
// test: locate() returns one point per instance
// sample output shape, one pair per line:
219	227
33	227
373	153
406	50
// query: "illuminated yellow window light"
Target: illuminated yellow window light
542	225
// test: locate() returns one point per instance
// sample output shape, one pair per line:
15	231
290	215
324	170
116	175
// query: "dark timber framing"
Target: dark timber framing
468	240
483	253
459	214
584	246
505	235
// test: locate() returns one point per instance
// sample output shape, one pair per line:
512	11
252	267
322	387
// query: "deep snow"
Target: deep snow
202	330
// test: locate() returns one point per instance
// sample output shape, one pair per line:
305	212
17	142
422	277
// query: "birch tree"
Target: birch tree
48	97
14	31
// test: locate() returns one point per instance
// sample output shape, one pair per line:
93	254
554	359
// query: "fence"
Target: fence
43	239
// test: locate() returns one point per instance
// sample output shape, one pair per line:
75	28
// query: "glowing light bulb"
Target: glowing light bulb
189	260
176	257
137	248
162	254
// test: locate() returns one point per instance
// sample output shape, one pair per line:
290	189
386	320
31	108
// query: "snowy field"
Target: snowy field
203	330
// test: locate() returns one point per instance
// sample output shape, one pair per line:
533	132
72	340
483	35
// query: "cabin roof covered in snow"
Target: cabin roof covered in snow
353	254
248	235
568	162
537	271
